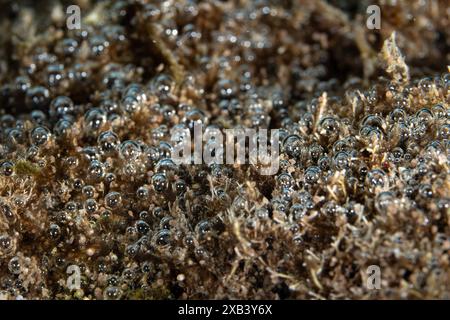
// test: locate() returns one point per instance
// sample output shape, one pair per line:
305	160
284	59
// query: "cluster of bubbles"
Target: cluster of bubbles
87	176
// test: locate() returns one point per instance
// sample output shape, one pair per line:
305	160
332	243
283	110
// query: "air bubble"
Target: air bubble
376	179
113	200
5	243
112	293
162	238
96	170
312	174
88	191
54	231
160	182
426	191
129	150
293	145
162	85
285	180
14	265
7	168
40	136
195	117
142	193
329	127
94	119
142	227
38	98
108	142
90	205
383	201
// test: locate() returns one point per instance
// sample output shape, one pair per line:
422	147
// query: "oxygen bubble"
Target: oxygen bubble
315	151
342	160
329	127
383	201
114	80
61	106
54	231
162	85
40	136
262	213
5	243
14	265
193	117
439	111
144	215
142	227
162	238
226	88
426	191
22	83
324	163
78	184
398	115
180	186
110	177
71	206
285	180
94	119
160	182
426	85
444	131
165	149
7	121
71	162
312	174
203	228
130	169
7	212
165	223
98	45
7	168
189	241
109	106
279	205
201	253
329	208
371	134
158	212
108	142
38	117
106	214
96	170
128	274
38	98
130	104
298	211
62	127
129	150
135	90
67	47
112	293
298	239
113	200
292	145
424	115
142	193
152	154
88	191
376	179
90	205
15	138
397	154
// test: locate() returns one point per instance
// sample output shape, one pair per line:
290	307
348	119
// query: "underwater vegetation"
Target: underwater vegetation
87	179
